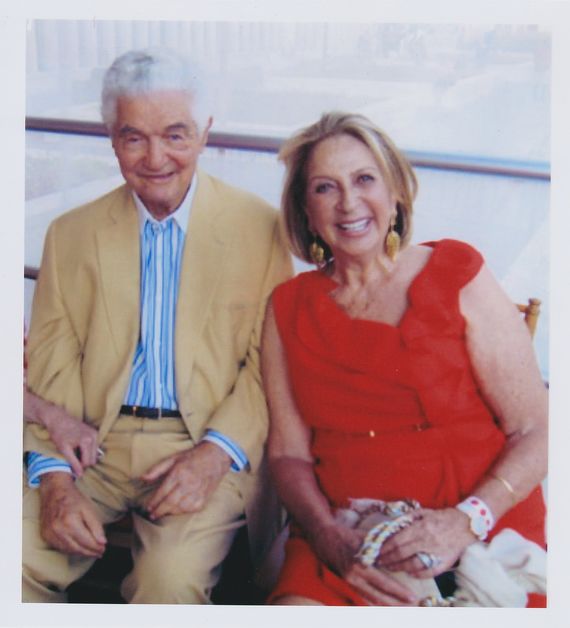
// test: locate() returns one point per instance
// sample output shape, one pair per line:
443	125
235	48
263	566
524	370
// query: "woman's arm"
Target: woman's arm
291	466
290	458
502	357
73	438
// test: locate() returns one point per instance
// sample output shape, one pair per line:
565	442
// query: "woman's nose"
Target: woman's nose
347	200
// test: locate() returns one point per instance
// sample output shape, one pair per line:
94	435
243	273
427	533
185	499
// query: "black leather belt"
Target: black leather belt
150	413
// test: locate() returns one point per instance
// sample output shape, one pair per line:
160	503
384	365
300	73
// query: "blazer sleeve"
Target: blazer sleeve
243	415
53	349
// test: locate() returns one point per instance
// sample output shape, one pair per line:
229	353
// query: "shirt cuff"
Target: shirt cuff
38	464
235	452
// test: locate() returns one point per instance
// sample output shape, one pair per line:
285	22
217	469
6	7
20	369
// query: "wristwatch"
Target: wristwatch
481	520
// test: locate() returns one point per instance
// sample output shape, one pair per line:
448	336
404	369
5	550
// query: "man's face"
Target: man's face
157	144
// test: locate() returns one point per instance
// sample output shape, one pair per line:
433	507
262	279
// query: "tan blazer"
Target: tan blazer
85	316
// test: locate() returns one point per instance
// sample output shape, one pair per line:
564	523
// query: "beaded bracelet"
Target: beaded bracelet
376	536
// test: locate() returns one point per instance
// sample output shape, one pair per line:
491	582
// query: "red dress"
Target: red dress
395	411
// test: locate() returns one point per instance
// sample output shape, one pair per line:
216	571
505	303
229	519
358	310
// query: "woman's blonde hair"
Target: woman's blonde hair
296	152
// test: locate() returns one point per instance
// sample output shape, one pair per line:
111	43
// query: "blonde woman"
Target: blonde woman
392	371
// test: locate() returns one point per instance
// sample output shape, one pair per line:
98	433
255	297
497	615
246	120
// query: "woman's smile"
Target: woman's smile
355	226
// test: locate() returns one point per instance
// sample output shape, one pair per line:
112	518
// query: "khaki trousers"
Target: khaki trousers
176	559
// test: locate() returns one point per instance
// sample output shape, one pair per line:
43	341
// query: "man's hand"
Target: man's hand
187	480
76	440
68	519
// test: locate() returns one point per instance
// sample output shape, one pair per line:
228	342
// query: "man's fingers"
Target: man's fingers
166	507
95	528
75	538
81	545
158	505
159	469
83	536
69	545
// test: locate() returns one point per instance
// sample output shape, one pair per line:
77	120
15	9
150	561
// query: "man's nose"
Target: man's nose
155	154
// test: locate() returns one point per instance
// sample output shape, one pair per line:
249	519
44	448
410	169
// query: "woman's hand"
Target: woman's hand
76	440
336	546
444	534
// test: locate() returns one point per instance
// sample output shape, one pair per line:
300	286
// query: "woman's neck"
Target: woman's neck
356	272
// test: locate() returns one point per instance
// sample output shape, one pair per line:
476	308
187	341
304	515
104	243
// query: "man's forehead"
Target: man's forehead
163	108
160	98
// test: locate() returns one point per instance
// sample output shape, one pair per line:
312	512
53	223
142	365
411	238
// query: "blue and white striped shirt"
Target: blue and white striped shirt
152	382
152	378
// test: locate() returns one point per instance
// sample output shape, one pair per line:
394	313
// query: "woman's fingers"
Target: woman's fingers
420	565
380	588
428	546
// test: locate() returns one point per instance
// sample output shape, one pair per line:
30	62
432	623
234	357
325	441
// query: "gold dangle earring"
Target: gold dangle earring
392	241
317	252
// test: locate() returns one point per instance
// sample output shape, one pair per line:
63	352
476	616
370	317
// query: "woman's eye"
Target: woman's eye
366	177
322	187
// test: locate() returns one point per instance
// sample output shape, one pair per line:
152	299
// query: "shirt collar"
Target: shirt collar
181	214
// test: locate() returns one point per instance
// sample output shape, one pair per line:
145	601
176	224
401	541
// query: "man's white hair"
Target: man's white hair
153	70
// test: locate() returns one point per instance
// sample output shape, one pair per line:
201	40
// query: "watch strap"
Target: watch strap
481	520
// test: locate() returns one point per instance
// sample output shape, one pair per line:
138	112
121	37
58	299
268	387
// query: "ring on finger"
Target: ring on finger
429	561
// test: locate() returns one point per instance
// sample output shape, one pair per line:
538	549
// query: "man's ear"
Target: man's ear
113	139
206	131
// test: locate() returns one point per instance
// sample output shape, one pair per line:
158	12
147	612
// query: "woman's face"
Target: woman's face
348	203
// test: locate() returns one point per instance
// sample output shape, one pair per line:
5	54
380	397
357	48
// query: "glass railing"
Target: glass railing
267	144
499	206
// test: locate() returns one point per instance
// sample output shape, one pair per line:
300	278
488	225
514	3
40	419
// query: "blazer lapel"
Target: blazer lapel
202	267
118	245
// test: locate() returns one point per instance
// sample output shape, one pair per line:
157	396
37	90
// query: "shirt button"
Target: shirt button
372	433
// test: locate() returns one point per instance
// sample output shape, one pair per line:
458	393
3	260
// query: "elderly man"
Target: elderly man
146	322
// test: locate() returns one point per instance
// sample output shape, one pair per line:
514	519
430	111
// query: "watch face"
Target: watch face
478	526
479	523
